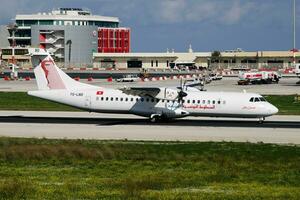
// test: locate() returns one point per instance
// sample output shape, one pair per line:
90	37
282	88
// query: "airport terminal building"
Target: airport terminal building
233	60
71	35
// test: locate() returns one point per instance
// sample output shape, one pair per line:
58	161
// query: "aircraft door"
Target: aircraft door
87	101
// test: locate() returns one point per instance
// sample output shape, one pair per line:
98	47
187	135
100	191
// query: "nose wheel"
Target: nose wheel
261	120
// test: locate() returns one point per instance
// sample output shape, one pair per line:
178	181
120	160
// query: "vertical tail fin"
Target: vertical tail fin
48	75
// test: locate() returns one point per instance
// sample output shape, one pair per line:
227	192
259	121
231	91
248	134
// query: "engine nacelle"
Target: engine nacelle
168	94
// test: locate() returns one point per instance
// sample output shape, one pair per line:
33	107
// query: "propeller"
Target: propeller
181	93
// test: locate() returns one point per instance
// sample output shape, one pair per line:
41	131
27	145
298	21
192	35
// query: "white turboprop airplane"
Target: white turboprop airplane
152	102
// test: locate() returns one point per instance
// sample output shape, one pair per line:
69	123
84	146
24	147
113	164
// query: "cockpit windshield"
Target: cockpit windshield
257	99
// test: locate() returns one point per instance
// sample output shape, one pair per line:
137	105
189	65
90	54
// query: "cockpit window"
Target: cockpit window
262	99
257	99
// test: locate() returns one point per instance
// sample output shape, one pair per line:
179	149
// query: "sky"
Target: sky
208	25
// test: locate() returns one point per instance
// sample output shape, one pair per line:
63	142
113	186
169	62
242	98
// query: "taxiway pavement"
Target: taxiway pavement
83	125
286	86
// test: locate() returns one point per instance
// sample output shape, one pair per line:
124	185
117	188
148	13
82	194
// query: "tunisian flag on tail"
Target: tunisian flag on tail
99	93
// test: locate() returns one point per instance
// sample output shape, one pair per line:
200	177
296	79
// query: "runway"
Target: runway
82	125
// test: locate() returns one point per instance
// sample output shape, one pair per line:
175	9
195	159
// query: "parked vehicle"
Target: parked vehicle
128	78
297	69
262	77
215	76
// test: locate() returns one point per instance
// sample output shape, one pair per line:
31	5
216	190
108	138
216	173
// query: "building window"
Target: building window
30	22
151	63
46	22
21	51
156	63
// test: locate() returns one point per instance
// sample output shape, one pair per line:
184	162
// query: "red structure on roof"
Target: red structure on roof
113	40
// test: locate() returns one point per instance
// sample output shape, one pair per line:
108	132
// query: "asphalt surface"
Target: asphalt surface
82	125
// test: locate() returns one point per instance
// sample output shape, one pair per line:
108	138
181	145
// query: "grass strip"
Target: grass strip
86	169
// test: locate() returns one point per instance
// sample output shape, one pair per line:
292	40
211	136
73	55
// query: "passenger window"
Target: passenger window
199	101
106	98
252	99
102	98
194	101
111	98
257	99
131	99
203	101
157	100
152	100
183	101
121	99
163	100
214	102
117	99
142	99
219	102
188	101
137	99
147	99
208	102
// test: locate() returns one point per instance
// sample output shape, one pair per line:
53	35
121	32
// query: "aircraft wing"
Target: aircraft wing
155	92
141	91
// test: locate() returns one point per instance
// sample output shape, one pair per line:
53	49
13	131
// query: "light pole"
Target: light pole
69	42
294	32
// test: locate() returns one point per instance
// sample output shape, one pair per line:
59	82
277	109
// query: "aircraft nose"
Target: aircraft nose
272	109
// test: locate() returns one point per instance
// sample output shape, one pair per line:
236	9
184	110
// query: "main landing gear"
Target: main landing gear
155	118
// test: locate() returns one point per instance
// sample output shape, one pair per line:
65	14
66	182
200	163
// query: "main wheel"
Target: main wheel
261	120
154	118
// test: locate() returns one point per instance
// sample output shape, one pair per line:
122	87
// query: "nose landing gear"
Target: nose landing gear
261	120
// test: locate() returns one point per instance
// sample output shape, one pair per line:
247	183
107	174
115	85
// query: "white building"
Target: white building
230	60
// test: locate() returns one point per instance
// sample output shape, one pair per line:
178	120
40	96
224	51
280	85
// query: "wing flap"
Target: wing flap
155	92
